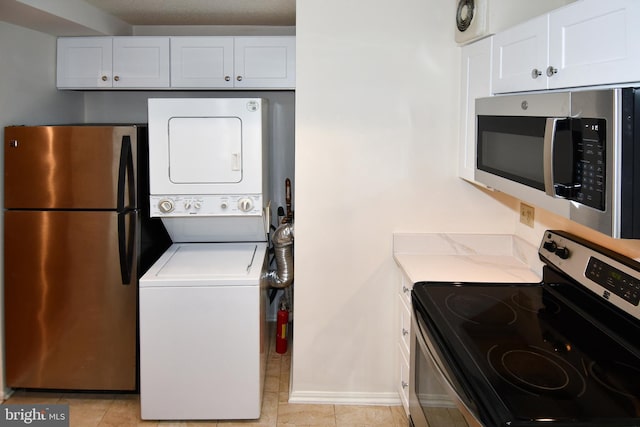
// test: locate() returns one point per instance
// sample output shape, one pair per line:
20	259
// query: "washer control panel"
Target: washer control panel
205	205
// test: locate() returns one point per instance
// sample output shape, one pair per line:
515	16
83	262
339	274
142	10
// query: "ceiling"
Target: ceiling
201	12
131	17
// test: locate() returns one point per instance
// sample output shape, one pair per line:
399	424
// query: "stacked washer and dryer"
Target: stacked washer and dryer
203	341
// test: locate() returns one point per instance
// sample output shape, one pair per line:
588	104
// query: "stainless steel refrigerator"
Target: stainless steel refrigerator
76	239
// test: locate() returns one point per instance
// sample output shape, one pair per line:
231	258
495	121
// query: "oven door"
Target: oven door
433	395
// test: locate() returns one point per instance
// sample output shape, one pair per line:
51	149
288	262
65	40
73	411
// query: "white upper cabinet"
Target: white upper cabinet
595	42
141	62
202	62
85	62
589	42
233	62
476	83
268	62
177	62
113	62
520	57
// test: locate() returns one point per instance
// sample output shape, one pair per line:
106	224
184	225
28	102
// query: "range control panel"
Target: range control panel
615	280
611	275
205	205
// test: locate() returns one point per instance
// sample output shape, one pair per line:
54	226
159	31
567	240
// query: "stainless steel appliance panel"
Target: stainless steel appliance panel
70	321
571	153
429	379
63	167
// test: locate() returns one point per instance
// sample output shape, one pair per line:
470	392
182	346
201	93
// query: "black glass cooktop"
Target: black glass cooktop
528	356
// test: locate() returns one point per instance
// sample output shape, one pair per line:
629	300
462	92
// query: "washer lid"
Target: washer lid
207	264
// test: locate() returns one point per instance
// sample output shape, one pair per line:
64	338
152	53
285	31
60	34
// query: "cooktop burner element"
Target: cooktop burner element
617	377
522	300
537	371
561	352
483	310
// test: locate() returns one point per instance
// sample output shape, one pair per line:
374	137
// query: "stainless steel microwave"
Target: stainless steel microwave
574	153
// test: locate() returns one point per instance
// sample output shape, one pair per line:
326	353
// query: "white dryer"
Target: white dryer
202	310
208	168
203	303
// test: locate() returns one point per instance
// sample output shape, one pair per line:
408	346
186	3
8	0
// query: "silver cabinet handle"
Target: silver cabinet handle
239	78
551	71
116	78
227	78
404	384
535	73
405	332
405	289
104	78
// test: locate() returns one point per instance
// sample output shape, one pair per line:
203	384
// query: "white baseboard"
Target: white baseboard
345	398
5	394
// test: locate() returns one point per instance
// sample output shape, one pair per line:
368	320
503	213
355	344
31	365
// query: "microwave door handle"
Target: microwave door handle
548	149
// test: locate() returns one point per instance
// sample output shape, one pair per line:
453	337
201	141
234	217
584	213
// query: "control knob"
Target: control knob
550	245
166	205
245	204
563	252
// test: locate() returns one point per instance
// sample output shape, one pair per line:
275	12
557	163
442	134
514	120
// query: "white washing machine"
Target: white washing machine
203	303
202	350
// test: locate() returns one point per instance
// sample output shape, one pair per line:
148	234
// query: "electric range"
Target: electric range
562	352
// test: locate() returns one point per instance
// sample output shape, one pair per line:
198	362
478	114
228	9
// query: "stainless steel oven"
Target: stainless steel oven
562	352
435	400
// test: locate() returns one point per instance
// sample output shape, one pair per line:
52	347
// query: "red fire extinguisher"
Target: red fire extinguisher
281	332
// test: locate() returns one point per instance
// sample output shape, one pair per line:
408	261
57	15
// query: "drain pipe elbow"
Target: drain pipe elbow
282	240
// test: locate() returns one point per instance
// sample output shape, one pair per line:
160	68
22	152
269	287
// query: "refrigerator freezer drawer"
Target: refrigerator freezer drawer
70	322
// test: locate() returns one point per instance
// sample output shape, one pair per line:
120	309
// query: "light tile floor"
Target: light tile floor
96	409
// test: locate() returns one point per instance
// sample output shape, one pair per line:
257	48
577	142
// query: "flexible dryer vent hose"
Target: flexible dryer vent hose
282	240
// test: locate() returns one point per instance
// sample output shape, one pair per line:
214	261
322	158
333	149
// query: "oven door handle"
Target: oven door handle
468	414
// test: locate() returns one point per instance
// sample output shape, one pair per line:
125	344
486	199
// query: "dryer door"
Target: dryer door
205	150
206	146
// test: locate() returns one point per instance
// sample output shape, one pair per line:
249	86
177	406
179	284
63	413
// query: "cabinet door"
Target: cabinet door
202	62
404	375
595	42
265	62
140	62
520	57
84	62
476	83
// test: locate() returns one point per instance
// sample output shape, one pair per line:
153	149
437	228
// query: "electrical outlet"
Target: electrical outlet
527	214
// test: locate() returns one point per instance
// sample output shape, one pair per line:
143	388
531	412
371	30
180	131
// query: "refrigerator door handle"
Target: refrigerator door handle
126	184
126	241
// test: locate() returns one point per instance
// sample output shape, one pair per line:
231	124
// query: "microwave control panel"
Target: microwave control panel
589	171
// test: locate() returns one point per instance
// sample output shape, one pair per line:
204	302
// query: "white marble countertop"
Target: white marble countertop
452	257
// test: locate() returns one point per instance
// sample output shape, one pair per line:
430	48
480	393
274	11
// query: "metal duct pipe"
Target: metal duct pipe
282	240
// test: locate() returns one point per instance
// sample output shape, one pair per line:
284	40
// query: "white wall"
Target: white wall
28	96
28	92
376	145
